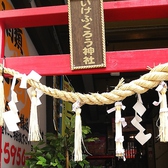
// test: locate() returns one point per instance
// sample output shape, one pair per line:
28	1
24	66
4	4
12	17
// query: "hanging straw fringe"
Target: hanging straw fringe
34	132
120	152
78	136
2	99
163	113
163	116
78	132
119	122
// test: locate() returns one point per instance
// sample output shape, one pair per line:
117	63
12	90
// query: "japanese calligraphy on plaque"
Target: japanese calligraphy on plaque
87	37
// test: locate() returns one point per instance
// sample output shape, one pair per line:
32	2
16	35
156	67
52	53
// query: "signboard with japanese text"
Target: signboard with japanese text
66	106
86	31
15	144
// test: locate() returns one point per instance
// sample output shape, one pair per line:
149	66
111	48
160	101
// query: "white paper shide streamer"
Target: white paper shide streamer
11	117
78	132
163	114
2	99
140	109
119	122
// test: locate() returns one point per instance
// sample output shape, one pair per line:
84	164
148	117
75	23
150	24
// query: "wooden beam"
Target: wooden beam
135	10
117	61
58	15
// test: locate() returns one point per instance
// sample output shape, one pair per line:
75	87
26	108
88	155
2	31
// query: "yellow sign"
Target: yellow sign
15	46
17	141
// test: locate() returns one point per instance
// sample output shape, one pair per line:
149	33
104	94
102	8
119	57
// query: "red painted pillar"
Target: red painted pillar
2	40
2	50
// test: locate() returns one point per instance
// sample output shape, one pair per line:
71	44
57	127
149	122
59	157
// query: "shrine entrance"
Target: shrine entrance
128	59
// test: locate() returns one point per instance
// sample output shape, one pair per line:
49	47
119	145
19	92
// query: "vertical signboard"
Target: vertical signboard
15	144
86	30
66	106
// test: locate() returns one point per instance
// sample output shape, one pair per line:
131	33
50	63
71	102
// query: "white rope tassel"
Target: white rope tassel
118	129
163	116
34	132
2	98
78	136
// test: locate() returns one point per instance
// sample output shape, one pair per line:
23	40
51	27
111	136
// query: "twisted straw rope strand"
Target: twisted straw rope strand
141	85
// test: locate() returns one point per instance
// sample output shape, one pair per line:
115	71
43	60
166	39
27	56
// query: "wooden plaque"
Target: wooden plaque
86	31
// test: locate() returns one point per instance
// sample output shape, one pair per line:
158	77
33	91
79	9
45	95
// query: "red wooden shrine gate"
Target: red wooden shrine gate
118	61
